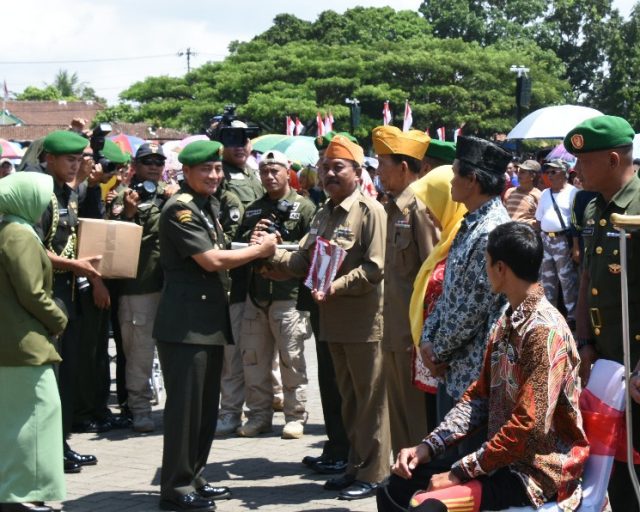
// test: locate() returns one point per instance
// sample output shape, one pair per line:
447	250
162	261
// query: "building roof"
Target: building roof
53	113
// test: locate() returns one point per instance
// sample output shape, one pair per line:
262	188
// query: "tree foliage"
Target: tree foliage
65	86
300	68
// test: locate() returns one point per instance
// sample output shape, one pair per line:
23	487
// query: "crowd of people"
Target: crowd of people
475	293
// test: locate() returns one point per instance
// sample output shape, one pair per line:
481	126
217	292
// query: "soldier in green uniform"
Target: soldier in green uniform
604	147
192	325
231	213
271	323
141	203
240	183
57	229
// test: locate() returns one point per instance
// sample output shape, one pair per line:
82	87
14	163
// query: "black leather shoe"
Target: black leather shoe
82	460
24	507
192	501
339	483
310	460
71	467
358	490
330	467
92	427
214	493
120	421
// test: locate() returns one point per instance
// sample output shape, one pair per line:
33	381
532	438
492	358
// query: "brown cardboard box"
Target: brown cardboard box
118	243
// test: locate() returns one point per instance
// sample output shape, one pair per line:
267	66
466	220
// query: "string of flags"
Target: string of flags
293	125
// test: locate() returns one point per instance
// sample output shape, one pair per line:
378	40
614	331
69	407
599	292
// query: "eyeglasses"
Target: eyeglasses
151	161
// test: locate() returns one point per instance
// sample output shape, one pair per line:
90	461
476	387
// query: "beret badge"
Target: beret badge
577	141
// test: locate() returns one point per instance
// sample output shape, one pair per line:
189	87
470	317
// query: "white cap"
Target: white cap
274	157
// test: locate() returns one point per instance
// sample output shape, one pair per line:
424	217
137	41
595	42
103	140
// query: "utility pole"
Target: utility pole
523	89
189	53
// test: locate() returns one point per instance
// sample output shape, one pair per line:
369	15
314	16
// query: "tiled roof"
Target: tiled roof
57	113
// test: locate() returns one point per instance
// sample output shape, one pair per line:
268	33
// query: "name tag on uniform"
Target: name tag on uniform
252	213
588	231
313	231
63	211
237	176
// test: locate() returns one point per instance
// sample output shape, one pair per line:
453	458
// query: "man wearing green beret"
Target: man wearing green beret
58	231
604	148
192	325
439	152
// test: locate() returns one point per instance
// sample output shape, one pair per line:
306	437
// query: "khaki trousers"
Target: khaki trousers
137	313
282	328
407	404
232	385
365	414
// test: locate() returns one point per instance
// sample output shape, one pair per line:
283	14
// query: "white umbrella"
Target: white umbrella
636	146
552	122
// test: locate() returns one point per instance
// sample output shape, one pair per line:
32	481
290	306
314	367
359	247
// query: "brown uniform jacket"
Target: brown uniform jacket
410	237
354	313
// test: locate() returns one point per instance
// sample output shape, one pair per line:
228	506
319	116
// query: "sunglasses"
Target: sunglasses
152	161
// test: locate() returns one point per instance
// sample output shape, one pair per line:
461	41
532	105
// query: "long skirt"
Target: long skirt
31	460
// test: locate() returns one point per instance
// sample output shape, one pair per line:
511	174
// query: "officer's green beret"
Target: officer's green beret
442	150
201	151
112	151
598	133
63	142
296	166
323	141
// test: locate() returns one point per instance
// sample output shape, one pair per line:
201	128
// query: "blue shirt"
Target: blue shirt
460	323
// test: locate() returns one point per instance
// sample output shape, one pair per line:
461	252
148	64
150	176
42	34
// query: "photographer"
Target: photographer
141	203
271	320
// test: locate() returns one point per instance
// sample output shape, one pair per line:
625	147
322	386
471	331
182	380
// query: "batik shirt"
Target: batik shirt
459	325
528	396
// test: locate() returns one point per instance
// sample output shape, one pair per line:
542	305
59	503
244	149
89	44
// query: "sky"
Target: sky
112	44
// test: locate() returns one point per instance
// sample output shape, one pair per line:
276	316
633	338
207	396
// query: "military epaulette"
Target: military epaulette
184	197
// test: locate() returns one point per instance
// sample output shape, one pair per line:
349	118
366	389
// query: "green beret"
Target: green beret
441	150
296	166
598	133
323	141
112	151
201	151
63	142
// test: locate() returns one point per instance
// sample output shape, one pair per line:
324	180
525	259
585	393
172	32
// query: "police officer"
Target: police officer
604	147
271	321
410	237
141	203
241	181
192	325
57	229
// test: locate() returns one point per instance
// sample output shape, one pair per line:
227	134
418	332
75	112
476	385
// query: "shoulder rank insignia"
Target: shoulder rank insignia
615	268
184	197
184	216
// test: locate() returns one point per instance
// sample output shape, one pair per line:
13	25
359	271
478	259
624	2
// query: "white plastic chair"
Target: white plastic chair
607	383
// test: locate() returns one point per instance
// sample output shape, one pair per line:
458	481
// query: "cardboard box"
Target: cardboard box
118	243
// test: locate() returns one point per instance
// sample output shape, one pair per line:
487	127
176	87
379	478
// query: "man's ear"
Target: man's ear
614	159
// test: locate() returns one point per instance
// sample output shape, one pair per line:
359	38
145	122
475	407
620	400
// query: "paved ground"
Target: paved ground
264	473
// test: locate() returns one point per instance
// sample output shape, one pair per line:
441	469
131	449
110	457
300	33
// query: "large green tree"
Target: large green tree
65	86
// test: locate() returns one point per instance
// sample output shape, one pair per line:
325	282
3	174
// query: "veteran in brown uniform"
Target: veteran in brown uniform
604	147
192	325
410	238
351	314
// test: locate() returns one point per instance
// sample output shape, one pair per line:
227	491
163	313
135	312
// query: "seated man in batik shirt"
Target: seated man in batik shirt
526	395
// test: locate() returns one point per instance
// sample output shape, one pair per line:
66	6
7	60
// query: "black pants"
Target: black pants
192	380
121	362
501	490
337	445
67	374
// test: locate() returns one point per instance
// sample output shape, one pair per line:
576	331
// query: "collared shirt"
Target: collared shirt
410	237
242	182
358	224
528	396
459	325
603	265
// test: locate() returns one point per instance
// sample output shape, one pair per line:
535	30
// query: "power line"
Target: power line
109	59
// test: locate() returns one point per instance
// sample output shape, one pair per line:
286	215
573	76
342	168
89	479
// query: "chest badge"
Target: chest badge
615	268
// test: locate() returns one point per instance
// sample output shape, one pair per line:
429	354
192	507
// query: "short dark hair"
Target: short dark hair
490	183
519	247
413	164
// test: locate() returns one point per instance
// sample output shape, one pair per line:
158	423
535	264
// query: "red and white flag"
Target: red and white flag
456	132
299	126
442	134
290	126
427	132
386	114
320	124
328	123
408	117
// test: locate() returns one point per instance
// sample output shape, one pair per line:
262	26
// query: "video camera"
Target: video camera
223	128
98	136
145	190
278	216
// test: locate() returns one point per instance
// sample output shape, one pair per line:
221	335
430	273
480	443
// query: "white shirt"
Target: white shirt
546	213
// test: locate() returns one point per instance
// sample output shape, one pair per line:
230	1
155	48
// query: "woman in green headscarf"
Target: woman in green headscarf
31	469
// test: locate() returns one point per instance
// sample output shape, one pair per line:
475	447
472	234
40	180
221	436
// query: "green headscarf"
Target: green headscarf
24	196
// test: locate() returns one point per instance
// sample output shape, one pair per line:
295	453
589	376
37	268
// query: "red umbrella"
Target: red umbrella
128	143
8	150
